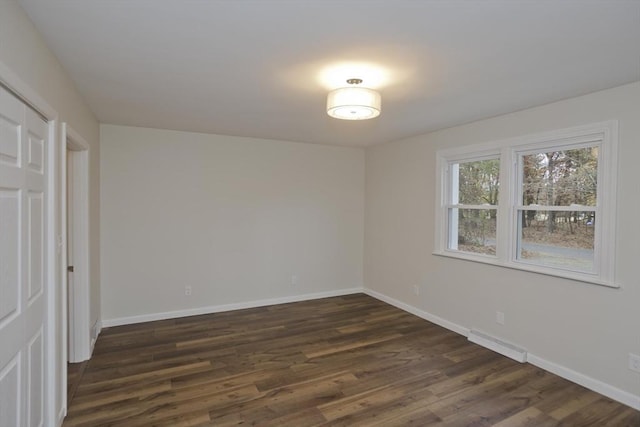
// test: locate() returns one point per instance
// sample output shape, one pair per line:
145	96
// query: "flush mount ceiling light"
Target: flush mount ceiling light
354	102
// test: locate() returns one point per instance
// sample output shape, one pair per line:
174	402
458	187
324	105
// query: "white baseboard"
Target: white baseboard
598	386
95	331
420	313
605	389
226	307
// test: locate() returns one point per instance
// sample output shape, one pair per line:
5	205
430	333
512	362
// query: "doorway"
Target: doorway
77	298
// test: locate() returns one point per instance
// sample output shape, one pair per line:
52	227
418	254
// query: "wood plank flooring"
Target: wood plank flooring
344	361
74	375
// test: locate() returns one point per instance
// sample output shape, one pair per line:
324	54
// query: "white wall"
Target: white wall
24	53
587	328
234	218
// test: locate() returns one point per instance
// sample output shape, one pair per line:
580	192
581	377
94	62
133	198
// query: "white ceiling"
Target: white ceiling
263	68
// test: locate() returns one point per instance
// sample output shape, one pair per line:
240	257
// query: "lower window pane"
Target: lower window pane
473	230
557	239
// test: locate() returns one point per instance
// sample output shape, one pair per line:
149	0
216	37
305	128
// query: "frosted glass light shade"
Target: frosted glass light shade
354	103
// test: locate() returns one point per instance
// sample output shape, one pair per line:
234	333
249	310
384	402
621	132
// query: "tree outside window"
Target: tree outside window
558	212
474	202
542	203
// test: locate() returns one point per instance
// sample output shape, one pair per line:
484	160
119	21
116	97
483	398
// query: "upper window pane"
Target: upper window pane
560	178
477	182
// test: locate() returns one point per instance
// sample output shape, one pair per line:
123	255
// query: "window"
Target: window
473	208
556	215
543	203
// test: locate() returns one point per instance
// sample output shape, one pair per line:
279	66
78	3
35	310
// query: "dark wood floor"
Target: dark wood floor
75	371
345	361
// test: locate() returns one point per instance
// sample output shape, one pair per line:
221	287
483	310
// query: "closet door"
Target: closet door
23	212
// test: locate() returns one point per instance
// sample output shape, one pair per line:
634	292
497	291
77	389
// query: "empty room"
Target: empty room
319	212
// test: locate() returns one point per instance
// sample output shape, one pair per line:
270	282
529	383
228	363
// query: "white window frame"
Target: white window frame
604	135
451	193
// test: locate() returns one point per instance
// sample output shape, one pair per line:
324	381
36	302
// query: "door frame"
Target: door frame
54	412
76	314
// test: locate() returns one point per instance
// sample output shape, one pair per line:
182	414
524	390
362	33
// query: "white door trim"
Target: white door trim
52	346
79	325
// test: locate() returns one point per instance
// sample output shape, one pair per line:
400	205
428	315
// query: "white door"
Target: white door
71	323
77	195
23	209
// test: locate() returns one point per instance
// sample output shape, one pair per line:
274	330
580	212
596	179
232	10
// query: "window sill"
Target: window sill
491	260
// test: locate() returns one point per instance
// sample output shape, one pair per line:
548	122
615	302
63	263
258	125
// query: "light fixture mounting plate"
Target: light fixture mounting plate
354	81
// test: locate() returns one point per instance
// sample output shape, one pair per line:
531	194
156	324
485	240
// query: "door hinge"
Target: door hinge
70	269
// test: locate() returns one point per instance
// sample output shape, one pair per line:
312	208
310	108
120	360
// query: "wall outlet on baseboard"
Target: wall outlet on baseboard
499	317
187	290
634	362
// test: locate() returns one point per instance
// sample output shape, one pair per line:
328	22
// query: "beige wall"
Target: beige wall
234	218
24	53
587	328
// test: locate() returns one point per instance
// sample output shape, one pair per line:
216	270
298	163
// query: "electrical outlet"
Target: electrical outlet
294	280
499	318
634	362
187	291
416	289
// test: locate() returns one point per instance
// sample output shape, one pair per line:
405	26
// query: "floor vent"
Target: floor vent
492	343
